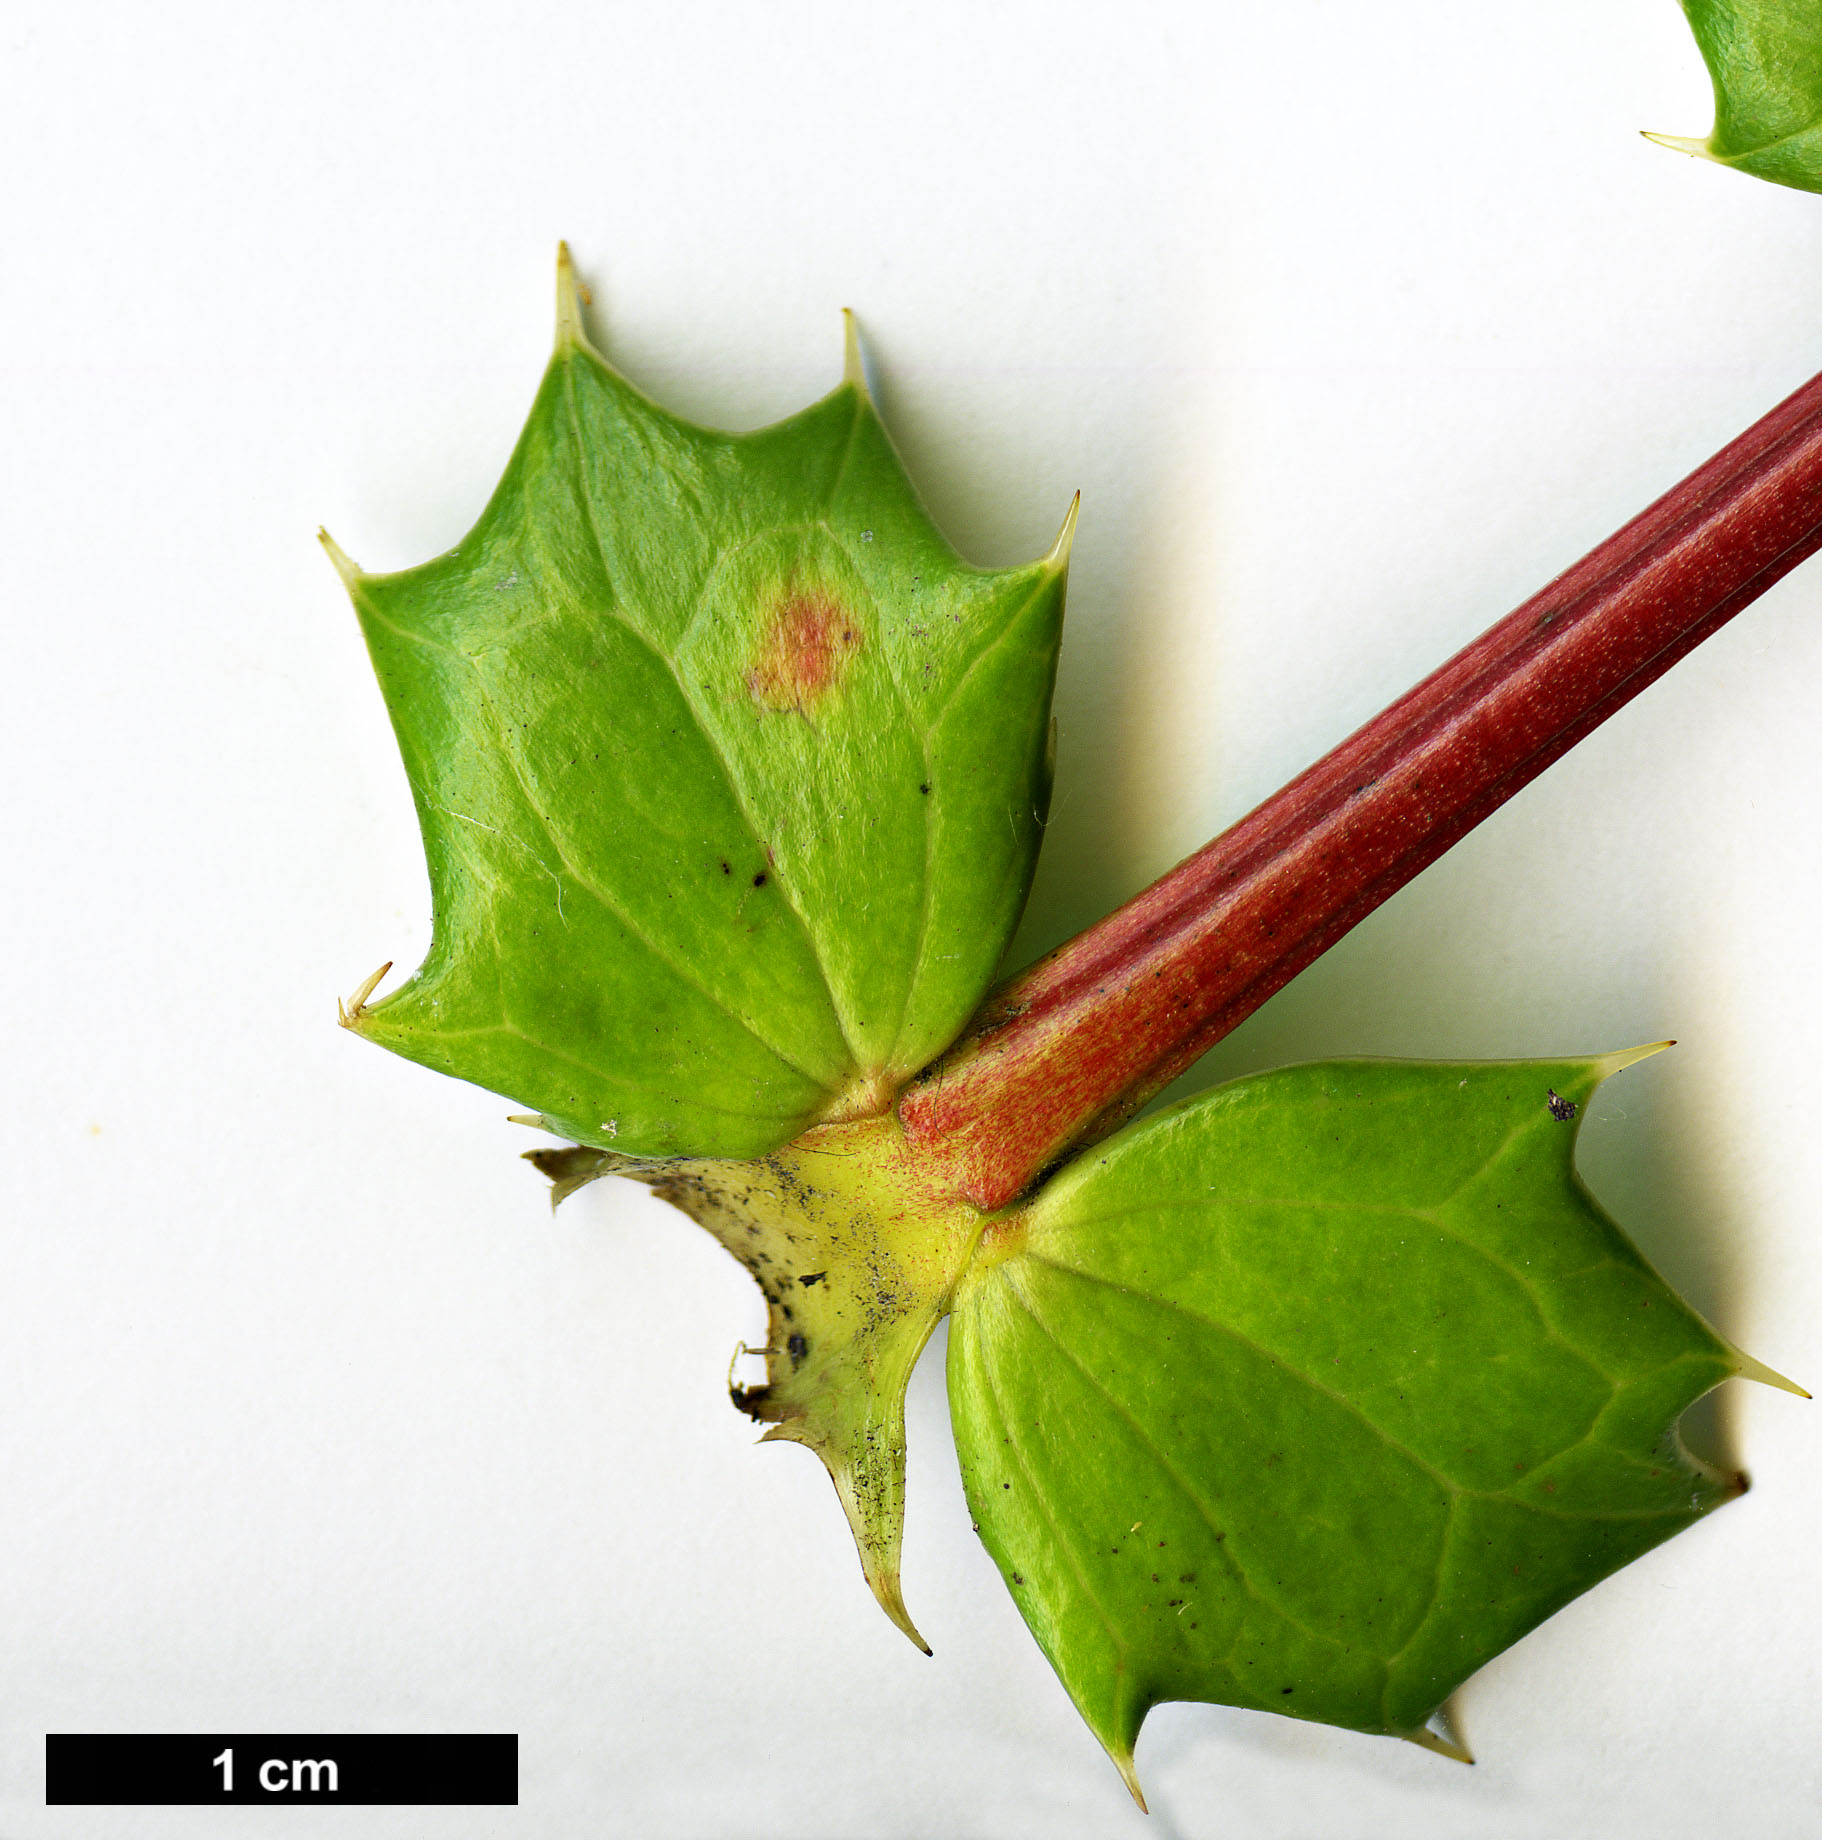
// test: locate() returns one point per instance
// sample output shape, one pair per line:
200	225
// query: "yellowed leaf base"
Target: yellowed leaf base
856	1270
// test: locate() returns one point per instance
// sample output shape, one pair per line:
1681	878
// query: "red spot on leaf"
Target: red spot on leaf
805	648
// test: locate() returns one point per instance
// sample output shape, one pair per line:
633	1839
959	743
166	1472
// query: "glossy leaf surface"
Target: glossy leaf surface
1765	58
1315	1392
730	772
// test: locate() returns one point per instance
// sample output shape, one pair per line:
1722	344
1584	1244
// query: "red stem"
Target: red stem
1071	1047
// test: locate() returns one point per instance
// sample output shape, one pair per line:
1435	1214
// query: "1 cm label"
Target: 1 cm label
277	1774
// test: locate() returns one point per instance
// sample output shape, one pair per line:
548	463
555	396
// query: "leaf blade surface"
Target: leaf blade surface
1316	1392
1765	60
730	773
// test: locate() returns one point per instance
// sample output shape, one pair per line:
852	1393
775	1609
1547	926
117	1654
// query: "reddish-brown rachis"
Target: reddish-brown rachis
1072	1046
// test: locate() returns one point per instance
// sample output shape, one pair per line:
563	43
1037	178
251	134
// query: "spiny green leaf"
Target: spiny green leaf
730	772
1315	1392
1765	57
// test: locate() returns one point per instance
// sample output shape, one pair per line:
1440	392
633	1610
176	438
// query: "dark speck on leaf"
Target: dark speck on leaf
726	870
925	787
812	1277
1287	1689
1561	1109
759	879
797	1348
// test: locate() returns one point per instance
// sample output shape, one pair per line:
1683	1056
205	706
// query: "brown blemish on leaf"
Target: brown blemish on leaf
806	645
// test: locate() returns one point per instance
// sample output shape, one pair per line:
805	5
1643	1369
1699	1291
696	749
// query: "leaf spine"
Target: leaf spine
350	1013
569	305
1427	1738
853	370
1129	1774
1056	558
1746	1368
346	567
1682	143
1607	1065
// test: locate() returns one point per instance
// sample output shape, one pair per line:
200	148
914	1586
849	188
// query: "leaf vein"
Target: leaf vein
985	1368
1258	1348
684	689
1170	1469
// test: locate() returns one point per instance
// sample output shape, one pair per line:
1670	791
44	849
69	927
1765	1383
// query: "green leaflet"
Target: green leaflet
1765	57
730	772
1315	1392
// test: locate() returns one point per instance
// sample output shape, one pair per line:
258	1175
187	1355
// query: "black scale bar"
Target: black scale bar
163	1770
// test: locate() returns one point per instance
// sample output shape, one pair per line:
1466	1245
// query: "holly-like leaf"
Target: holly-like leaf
1317	1391
731	774
1765	59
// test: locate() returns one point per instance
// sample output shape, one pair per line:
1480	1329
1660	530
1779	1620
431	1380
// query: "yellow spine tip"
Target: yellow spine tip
1680	143
852	370
345	566
569	303
890	1597
1056	558
1428	1739
1621	1058
1746	1368
1129	1774
350	1013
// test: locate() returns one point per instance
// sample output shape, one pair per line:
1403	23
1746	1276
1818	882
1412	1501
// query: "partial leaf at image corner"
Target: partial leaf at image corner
1765	60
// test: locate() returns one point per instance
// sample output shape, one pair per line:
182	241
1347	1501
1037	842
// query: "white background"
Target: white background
1353	325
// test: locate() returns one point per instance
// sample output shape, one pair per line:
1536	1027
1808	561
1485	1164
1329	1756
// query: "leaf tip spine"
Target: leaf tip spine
570	299
1746	1368
1443	1743
1129	1774
1056	558
1680	143
1606	1065
345	566
853	370
889	1595
351	1013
